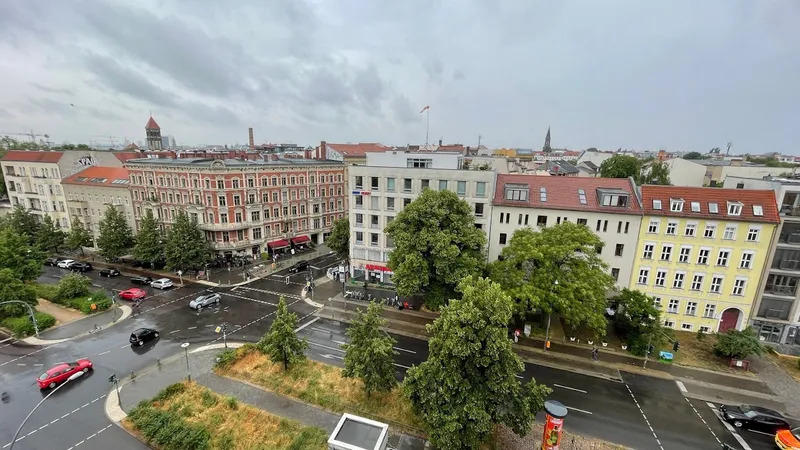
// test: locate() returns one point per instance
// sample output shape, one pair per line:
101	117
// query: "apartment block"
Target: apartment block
389	182
608	206
701	253
33	180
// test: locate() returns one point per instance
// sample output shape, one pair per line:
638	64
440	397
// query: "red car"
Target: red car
60	372
133	294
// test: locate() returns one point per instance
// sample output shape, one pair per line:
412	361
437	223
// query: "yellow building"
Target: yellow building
701	253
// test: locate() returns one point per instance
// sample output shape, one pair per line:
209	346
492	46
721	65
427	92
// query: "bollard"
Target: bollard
133	376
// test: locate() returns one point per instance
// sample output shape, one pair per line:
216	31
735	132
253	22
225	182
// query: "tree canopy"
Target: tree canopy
650	171
436	245
339	239
533	261
369	355
281	343
116	236
654	172
19	256
694	155
738	344
78	236
13	288
186	246
49	237
638	321
23	222
469	382
150	239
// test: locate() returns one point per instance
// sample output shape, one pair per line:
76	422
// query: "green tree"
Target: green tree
738	344
369	355
186	246
621	166
3	189
436	245
638	321
693	155
469	382
24	223
150	239
557	270
116	236
339	239
73	285
78	236
281	343
13	288
49	237
654	172
18	255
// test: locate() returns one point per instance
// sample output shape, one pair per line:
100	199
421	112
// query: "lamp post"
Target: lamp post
647	350
185	347
547	330
73	377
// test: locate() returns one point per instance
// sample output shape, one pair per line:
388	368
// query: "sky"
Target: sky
684	75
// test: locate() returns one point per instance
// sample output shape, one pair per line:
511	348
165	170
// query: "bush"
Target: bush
226	358
84	304
46	291
738	344
232	403
72	286
23	327
167	429
208	399
169	392
309	438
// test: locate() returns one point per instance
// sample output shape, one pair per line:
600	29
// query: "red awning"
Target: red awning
301	239
280	243
377	268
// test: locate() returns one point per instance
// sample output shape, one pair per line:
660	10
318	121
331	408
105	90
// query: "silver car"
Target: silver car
205	300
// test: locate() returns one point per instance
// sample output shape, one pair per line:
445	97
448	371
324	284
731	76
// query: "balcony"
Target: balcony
235	245
229	226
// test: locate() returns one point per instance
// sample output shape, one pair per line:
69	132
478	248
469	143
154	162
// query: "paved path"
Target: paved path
779	381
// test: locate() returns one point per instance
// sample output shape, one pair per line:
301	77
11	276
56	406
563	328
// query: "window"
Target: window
255	216
390	184
627	227
657	302
716	284
222	201
730	233
425	184
672	227
652	228
480	189
713	208
541	221
676	205
722	258
648	251
406	184
747	260
223	218
673	306
739	285
702	257
582	196
705	330
687	326
752	234
686	253
542	194
643	274
691	309
503	237
656	204
709	311
419	163
709	231
479	209
697	282
758	210
615	200
373	239
666	252
669	323
517	193
584	222
661	277
237	200
461	188
359	237
618	249
690	230
734	209
373	183
677	282
695	206
442	185
615	274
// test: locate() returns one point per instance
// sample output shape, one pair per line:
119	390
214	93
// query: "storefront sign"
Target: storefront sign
362	193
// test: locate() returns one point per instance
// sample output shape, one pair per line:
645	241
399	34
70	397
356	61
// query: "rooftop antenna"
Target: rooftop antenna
728	152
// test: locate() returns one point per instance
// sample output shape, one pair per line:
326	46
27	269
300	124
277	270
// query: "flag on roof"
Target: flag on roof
425	109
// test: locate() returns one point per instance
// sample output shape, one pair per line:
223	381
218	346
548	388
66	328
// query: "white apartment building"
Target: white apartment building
610	207
33	180
389	182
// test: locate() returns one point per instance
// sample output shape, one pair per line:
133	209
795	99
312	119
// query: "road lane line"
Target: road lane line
125	346
733	431
208	326
301	327
336	349
38	365
104	353
520	377
647	421
570	388
405	350
400	365
192	328
581	410
19	364
174	331
704	421
681	386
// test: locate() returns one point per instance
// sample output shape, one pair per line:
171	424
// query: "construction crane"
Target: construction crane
31	135
110	138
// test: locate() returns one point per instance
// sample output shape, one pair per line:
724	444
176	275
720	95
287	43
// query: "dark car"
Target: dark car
111	272
142	279
53	262
142	335
80	267
299	266
754	418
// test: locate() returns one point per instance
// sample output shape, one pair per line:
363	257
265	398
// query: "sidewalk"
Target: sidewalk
81	327
149	382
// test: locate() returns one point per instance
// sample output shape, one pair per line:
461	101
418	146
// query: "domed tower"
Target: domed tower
153	132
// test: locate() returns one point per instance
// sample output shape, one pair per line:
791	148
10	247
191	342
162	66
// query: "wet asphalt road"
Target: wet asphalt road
74	417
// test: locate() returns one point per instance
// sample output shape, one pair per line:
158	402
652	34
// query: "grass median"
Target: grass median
188	416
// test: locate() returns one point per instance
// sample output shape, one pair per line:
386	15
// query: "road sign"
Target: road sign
217	330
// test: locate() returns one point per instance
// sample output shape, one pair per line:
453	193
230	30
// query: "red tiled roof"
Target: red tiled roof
562	193
152	125
124	156
705	196
98	174
359	149
451	148
33	156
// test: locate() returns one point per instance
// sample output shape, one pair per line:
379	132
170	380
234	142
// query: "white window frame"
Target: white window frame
700	255
679	279
666	250
656	204
653	226
746	262
697	281
657	302
730	232
735	208
739	286
672	227
713	208
648	249
686	251
669	323
755	232
713	307
677	303
705	330
695	206
690	306
728	252
716	288
712	227
690	226
686	327
661	278
758	210
676	204
644	275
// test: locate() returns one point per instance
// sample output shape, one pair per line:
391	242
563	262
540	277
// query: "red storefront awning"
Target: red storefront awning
377	268
280	243
301	239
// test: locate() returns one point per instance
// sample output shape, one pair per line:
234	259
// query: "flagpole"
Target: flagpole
427	124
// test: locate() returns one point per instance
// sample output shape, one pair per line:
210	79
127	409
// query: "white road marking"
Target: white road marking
38	365
104	353
56	420
579	410
311	322
125	346
704	421
20	364
729	427
647	421
191	328
174	331
400	365
404	350
570	388
520	377
208	326
336	349
681	386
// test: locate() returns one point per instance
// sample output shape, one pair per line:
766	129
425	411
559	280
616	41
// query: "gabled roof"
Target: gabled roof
559	166
548	192
100	176
33	156
124	156
152	125
698	202
359	149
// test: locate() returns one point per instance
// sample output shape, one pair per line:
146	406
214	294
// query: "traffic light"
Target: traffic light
651	349
676	346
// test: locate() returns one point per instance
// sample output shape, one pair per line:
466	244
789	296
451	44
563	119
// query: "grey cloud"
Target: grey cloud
434	69
5	114
52	90
369	86
71	110
127	81
403	111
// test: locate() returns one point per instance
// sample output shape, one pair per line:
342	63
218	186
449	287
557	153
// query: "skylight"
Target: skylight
121	181
543	194
582	196
695	206
676	205
656	204
713	208
81	179
758	210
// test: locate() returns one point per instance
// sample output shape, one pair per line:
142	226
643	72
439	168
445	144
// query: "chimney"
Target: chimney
321	150
251	140
440	142
273	157
308	153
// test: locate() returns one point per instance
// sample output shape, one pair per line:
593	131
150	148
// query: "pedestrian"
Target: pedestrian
594	354
406	305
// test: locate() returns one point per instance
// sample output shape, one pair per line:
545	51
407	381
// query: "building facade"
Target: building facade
610	207
701	253
389	182
33	180
255	207
93	190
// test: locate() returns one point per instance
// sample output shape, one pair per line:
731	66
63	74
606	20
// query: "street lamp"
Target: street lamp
185	347
649	342
547	330
72	377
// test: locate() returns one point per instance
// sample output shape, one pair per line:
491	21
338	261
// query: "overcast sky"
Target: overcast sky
683	75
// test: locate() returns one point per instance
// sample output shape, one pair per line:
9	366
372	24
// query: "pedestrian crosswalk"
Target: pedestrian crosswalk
264	291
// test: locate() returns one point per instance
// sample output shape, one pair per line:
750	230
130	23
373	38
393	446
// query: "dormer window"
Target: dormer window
758	210
517	192
676	205
695	206
713	208
542	194
615	200
582	196
657	204
734	209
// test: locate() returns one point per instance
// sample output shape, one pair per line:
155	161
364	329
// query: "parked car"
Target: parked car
142	335
110	272
754	418
66	263
788	439
80	267
133	294
205	300
61	372
161	283
141	279
52	262
299	266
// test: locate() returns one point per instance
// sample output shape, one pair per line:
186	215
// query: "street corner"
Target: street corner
82	327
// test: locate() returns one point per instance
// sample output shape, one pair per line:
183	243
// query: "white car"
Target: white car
161	283
66	263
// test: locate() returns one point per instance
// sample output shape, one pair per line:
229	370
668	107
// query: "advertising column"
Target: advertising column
554	422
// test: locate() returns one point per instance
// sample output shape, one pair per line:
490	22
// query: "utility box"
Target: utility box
357	433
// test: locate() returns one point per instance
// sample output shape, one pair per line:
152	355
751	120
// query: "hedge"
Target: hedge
83	303
22	326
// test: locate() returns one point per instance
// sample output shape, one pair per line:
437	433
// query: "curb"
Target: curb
126	312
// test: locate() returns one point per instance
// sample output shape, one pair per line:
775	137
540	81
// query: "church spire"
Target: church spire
546	147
